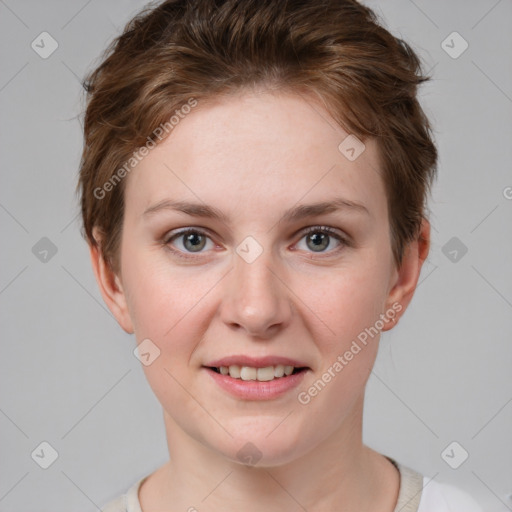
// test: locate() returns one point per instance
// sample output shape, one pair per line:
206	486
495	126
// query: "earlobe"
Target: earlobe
110	286
408	274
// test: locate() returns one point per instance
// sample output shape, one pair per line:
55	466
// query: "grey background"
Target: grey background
68	374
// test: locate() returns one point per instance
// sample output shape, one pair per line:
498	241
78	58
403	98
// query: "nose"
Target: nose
256	299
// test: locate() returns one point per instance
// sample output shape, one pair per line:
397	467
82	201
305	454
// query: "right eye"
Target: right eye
191	240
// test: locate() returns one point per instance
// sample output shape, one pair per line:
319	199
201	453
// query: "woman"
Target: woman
253	185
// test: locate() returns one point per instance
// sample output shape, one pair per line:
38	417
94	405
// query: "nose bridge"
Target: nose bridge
256	299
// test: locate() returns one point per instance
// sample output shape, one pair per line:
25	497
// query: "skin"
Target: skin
253	156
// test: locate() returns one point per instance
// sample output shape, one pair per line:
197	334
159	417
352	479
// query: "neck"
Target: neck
339	473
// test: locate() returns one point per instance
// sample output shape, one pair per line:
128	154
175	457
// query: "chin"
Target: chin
256	447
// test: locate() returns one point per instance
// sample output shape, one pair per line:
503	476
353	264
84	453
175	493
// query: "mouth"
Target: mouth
257	383
260	374
257	378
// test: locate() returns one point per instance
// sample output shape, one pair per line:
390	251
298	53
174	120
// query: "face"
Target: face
250	272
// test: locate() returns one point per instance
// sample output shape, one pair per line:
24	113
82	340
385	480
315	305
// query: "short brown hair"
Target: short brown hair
182	49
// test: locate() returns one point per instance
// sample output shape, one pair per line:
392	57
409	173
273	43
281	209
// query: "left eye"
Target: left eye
318	238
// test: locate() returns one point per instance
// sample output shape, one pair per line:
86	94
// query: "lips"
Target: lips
256	383
255	362
262	369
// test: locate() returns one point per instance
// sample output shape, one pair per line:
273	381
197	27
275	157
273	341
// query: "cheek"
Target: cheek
350	306
170	306
348	301
167	309
159	297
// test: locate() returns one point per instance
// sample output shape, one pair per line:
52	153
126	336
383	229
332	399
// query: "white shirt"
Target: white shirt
438	497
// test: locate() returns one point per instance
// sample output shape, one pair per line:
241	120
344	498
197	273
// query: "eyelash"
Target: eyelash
344	242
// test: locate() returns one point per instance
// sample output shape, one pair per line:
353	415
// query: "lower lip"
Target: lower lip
254	389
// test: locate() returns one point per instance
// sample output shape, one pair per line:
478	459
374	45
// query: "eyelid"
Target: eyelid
324	229
343	239
175	233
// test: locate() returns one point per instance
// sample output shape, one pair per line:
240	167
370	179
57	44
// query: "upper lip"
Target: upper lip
255	362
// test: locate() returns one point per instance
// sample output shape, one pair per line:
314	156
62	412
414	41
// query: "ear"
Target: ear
110	285
406	277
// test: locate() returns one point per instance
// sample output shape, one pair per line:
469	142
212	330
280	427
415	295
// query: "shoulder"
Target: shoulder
441	497
117	505
128	502
419	493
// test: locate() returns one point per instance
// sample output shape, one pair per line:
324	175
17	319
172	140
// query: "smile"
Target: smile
245	384
266	374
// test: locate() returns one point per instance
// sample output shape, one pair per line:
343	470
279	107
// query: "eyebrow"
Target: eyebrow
292	215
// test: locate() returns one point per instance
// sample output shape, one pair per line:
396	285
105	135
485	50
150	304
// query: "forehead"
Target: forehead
257	150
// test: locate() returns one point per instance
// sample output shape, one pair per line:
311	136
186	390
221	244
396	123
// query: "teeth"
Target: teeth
247	373
264	374
260	374
234	371
279	370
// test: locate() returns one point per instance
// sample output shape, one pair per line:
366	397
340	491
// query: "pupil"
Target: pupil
320	240
193	238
